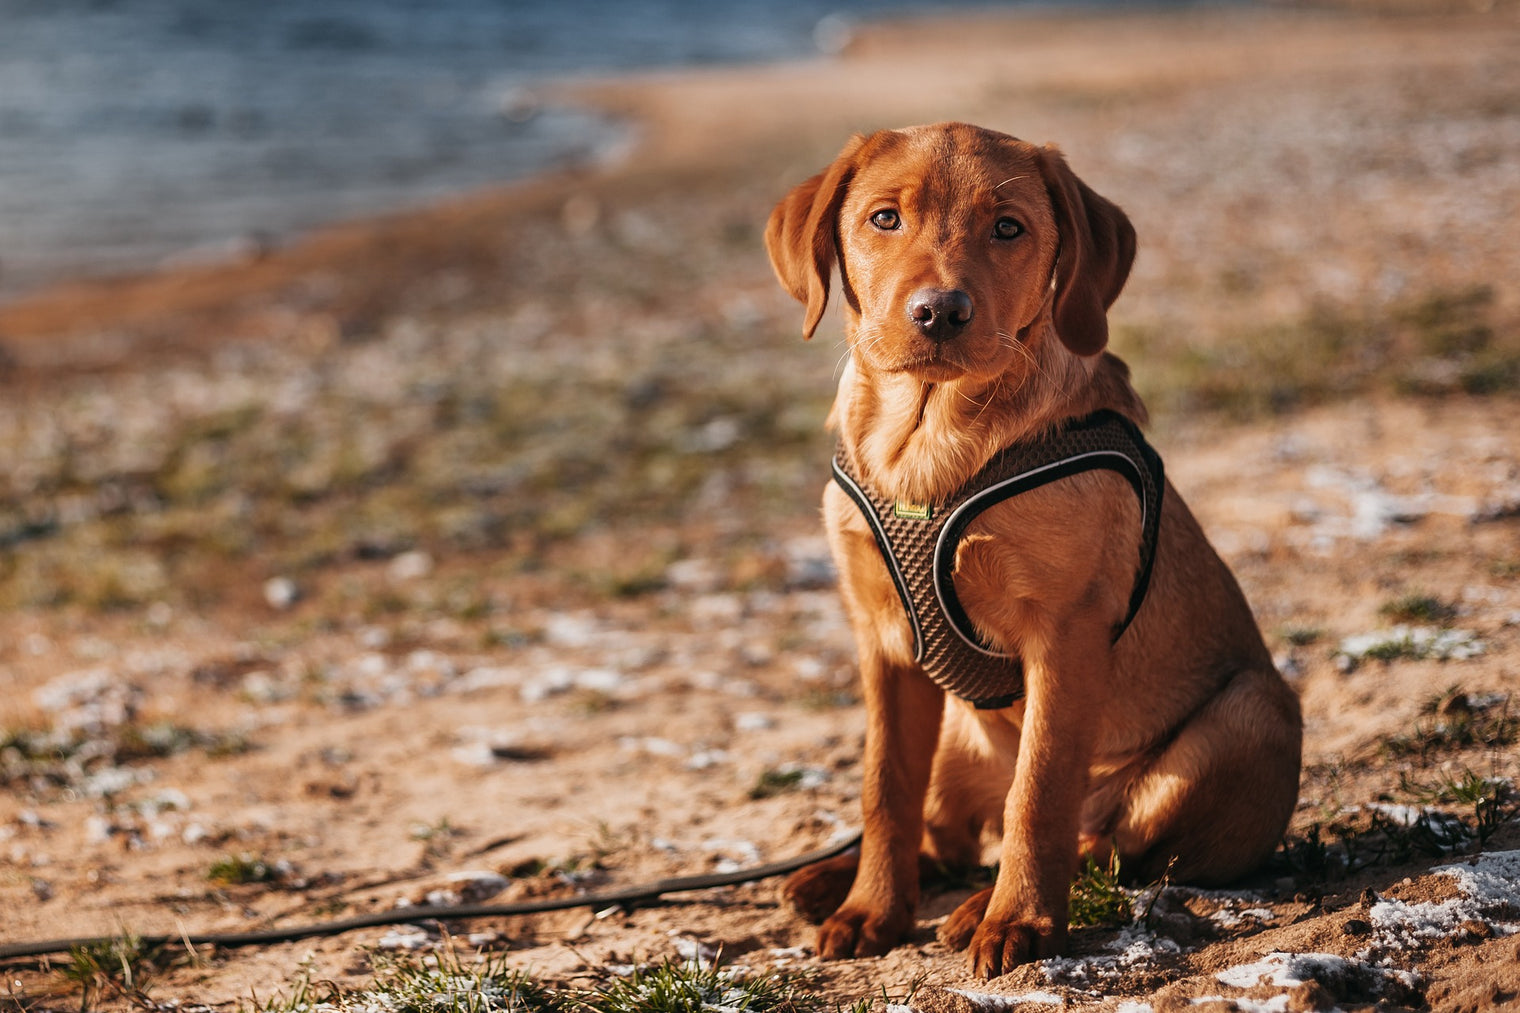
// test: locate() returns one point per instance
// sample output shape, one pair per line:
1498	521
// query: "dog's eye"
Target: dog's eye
1007	228
886	219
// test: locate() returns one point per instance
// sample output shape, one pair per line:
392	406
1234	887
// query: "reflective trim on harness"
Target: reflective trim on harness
884	544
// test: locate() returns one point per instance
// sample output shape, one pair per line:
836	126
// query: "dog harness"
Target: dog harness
919	541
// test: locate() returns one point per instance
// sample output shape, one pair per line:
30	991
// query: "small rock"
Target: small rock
412	565
281	593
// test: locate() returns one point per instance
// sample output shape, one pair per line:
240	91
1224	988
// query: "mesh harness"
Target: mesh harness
919	542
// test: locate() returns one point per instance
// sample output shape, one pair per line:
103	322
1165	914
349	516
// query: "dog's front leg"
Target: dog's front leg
1026	915
903	710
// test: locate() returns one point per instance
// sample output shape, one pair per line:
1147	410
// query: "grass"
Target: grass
444	982
1445	341
1447	725
438	983
45	763
121	966
1097	900
1301	636
776	782
1453	814
243	869
697	988
1409	643
1419	608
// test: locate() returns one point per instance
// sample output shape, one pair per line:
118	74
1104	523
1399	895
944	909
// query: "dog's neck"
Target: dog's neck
921	441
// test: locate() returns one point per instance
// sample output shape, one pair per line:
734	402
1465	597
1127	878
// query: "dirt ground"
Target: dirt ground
473	554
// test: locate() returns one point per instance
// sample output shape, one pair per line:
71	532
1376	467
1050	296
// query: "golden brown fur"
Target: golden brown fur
1177	746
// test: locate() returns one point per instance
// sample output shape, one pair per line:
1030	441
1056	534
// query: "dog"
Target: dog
1140	715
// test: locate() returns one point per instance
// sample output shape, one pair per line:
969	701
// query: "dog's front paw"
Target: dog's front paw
997	947
853	932
956	931
816	891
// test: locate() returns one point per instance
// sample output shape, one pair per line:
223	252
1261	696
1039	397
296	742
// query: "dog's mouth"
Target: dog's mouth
933	361
933	368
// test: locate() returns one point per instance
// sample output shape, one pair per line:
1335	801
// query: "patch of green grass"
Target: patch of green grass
121	966
776	782
164	738
1492	802
44	762
1412	643
1452	722
1450	815
438	983
443	982
242	869
696	988
1442	342
1419	608
1301	636
1097	900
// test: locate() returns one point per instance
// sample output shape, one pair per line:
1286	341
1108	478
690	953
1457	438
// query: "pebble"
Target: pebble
281	593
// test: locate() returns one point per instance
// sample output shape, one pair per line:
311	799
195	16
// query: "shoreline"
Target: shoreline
698	123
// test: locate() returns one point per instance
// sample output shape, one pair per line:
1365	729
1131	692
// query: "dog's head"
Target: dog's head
951	242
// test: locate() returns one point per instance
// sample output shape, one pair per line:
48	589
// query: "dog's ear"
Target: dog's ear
800	235
1097	250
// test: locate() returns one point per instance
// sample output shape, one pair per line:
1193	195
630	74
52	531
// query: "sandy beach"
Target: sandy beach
473	552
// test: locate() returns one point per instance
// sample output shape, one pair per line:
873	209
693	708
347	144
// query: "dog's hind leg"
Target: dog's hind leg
1215	802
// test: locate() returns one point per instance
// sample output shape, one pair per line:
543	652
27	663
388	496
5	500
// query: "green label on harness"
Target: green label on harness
912	511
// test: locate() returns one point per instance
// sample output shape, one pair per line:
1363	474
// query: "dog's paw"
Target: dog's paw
956	931
998	947
858	933
816	891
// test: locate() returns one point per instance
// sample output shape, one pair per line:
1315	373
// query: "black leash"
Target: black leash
627	896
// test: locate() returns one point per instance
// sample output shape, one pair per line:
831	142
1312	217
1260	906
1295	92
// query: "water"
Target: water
135	132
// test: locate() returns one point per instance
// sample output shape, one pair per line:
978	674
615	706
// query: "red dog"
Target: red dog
1108	689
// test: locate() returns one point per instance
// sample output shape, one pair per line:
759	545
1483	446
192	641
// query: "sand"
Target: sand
484	538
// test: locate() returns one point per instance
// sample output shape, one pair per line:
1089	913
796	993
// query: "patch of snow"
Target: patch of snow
651	744
702	759
1446	829
1230	919
693	951
1288	970
409	938
1418	642
557	679
753	721
1285	970
1133	946
1276	1004
1490	893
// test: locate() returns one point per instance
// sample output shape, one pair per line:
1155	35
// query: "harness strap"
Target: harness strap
919	542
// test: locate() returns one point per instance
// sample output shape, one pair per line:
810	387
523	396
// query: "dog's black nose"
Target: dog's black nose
940	313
